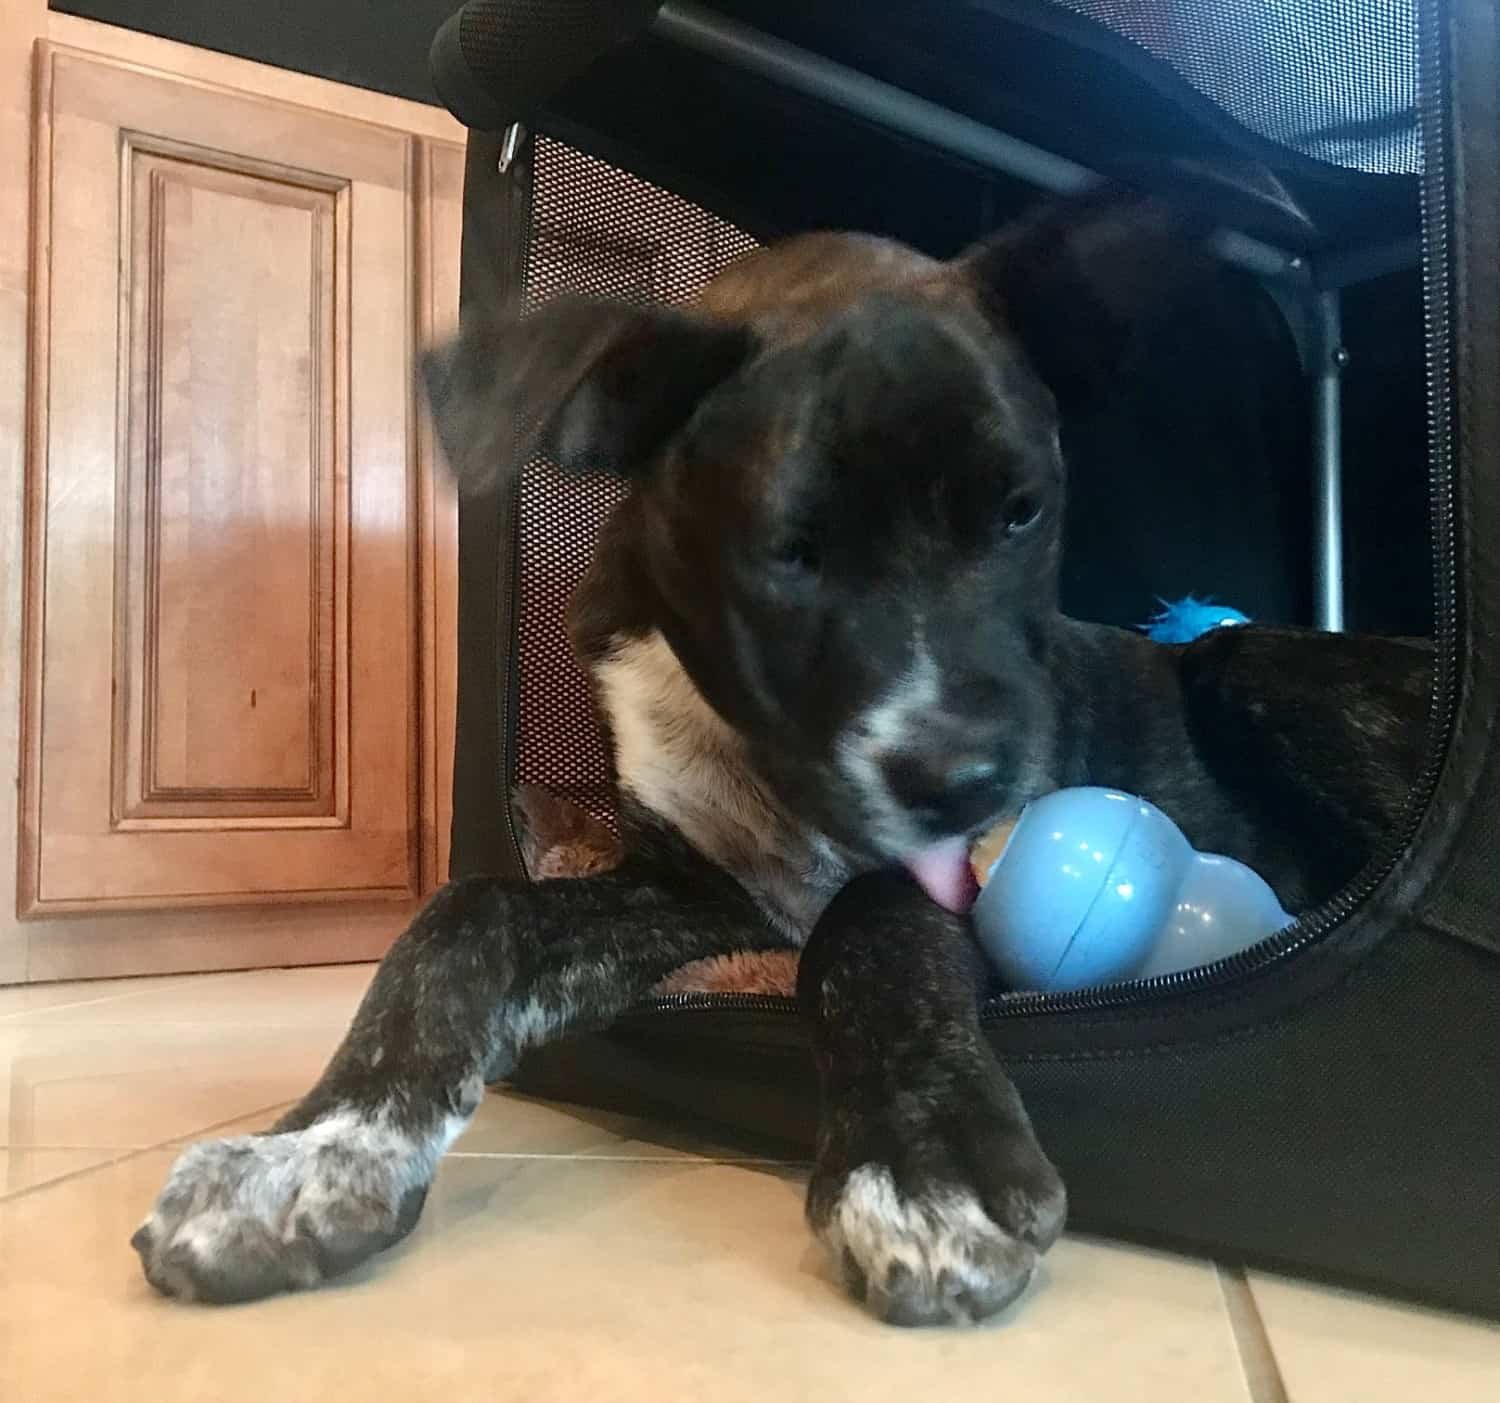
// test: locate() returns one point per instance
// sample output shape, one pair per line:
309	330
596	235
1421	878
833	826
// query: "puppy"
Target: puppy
825	645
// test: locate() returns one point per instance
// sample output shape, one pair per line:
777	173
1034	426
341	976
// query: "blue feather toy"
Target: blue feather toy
1183	620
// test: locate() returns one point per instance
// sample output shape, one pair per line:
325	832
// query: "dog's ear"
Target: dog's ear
1074	280
599	385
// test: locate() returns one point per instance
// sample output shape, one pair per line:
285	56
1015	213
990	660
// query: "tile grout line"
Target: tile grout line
9	1196
584	1157
119	996
76	1149
227	1024
682	1157
199	980
120	1154
172	1142
1262	1374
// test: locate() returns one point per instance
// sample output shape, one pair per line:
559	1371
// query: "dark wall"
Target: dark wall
380	44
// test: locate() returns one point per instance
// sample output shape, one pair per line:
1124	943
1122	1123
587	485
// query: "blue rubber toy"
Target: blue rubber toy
1186	619
1097	886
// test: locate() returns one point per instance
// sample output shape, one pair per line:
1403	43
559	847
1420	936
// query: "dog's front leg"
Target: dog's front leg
487	970
928	1188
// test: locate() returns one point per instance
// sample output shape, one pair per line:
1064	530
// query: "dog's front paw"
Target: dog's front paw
937	1221
257	1214
929	1257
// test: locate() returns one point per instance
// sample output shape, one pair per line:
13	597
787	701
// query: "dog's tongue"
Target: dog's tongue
943	872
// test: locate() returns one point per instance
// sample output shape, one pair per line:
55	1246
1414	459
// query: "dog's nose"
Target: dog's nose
950	791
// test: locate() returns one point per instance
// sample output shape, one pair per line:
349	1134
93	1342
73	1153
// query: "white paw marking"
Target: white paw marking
946	1254
265	1190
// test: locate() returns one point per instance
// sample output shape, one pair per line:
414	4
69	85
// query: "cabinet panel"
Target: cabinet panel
234	472
222	689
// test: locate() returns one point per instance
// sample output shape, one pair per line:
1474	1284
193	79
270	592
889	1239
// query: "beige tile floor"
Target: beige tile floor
571	1256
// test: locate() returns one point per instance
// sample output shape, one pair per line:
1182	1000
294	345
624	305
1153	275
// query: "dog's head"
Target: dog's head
849	490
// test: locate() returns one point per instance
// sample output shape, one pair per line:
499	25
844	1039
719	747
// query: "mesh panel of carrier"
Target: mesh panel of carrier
598	231
1335	80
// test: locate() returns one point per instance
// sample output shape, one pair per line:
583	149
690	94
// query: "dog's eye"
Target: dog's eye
1022	511
798	553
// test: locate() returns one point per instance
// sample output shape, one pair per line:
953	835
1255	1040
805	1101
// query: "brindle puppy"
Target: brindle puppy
824	638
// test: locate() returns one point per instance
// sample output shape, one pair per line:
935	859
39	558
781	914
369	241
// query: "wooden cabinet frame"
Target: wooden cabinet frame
148	796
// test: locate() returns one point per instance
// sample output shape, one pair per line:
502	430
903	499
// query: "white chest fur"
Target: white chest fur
676	756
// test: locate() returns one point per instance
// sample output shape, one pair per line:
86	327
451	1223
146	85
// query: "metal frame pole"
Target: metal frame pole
694	27
1328	561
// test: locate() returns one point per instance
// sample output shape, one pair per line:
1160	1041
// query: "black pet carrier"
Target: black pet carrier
1317	443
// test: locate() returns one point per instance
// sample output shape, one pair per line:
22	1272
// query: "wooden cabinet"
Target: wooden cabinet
238	683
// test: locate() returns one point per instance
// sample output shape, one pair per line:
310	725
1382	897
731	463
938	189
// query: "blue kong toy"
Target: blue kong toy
1096	886
1190	618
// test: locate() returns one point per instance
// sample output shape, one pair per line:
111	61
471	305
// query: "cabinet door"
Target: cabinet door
224	623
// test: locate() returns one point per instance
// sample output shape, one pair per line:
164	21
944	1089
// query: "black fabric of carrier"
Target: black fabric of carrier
1316	442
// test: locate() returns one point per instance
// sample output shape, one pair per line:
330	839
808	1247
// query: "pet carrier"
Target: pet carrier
1317	442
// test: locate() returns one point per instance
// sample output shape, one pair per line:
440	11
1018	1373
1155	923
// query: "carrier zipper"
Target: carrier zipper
1438	321
716	1003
